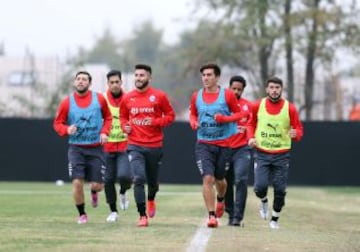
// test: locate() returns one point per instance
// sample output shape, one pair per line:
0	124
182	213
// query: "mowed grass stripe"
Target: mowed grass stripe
41	217
29	192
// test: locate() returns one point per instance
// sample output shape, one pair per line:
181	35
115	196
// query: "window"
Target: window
21	78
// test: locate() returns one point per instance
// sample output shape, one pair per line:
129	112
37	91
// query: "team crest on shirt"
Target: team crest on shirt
152	98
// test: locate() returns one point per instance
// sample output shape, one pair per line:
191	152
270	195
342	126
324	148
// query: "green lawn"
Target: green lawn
41	217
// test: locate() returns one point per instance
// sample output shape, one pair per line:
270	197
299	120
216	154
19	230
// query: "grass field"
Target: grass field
41	217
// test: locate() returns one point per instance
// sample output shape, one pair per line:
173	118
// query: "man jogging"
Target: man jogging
145	111
240	158
213	113
117	162
85	118
274	126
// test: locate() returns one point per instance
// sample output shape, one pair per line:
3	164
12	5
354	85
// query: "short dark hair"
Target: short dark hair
238	78
213	66
84	72
144	67
274	79
113	73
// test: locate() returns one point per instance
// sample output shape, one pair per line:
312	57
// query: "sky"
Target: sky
59	27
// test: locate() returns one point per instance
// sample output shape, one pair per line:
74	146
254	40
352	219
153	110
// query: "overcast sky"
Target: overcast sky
54	27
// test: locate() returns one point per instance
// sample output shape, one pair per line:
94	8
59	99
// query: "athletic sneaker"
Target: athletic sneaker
220	209
94	199
264	210
143	222
212	222
124	202
274	225
113	217
82	219
151	207
236	222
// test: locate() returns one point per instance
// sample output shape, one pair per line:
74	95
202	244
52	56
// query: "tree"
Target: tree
313	29
328	26
144	46
105	51
181	62
256	28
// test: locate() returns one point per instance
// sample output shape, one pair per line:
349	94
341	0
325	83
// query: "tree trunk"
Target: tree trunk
339	99
289	51
264	47
310	58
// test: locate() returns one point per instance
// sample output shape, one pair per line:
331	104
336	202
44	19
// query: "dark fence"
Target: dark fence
327	155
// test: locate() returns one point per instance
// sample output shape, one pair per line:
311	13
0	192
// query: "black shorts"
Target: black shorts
86	163
212	159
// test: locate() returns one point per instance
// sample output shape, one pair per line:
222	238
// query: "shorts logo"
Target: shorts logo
199	165
227	166
103	168
70	169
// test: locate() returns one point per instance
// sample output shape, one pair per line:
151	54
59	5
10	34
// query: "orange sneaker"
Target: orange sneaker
143	222
151	207
220	209
212	222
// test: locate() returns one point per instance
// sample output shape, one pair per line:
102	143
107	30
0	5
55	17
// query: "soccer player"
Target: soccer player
275	124
117	162
145	111
240	158
213	113
85	118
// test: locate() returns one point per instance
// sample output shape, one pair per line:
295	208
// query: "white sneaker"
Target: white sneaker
113	217
124	202
264	210
274	225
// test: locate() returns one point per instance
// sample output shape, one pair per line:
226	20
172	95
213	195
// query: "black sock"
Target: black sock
219	199
93	192
141	209
113	207
275	215
122	190
81	208
264	200
212	213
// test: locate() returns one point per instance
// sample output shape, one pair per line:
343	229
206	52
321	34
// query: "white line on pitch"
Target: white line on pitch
200	239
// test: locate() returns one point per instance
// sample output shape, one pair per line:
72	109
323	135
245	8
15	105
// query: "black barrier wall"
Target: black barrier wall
327	155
